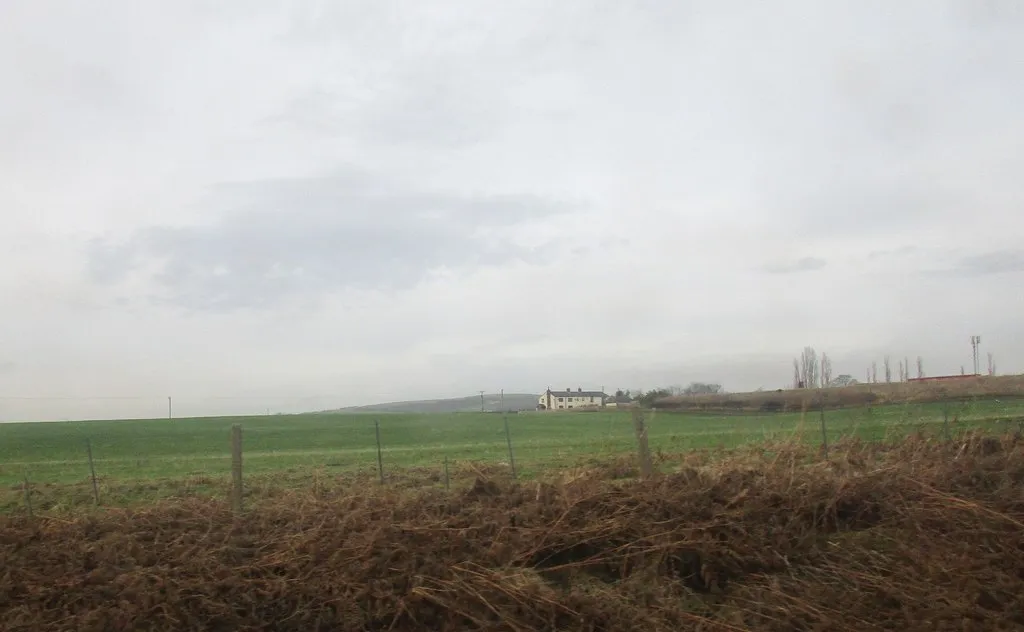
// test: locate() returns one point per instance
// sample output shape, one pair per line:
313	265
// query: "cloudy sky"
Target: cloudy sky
253	204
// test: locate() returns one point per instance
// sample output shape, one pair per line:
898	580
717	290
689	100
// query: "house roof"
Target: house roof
577	393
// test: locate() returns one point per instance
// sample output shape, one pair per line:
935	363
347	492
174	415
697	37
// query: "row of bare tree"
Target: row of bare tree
887	374
811	370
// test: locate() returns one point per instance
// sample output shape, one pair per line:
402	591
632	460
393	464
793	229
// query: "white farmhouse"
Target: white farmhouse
555	400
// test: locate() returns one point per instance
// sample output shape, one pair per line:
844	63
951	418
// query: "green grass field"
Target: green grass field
145	450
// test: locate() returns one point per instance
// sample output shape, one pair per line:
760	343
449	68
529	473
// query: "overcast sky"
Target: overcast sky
296	205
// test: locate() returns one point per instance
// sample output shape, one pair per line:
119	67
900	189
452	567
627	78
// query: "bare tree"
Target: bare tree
874	373
796	373
903	373
867	375
809	367
826	370
906	368
991	364
920	367
887	367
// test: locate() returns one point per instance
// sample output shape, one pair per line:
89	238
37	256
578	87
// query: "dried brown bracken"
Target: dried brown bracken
912	535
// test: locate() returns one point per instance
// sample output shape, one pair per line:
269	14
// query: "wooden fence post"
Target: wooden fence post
92	473
447	479
236	468
824	431
380	455
643	450
511	457
28	496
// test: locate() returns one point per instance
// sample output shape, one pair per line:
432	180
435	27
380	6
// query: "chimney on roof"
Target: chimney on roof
568	390
579	389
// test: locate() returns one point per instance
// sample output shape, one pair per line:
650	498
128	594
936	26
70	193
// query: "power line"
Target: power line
78	398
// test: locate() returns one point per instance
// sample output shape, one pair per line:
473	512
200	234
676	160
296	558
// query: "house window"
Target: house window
561	399
591	400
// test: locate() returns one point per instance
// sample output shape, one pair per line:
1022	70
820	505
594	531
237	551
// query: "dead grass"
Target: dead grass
918	534
980	388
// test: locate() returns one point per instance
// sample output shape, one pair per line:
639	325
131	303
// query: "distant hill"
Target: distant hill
492	403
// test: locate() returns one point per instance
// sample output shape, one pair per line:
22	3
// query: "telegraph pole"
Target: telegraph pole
169	415
975	343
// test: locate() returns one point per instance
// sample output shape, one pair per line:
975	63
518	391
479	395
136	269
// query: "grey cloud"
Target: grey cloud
429	91
416	92
864	204
997	262
902	251
313	111
436	109
306	237
806	264
428	106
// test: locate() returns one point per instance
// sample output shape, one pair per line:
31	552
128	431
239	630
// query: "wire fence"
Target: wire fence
55	466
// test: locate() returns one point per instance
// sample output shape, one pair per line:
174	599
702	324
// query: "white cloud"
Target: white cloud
371	200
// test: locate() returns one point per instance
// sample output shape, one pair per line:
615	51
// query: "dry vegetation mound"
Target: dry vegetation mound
794	400
918	535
